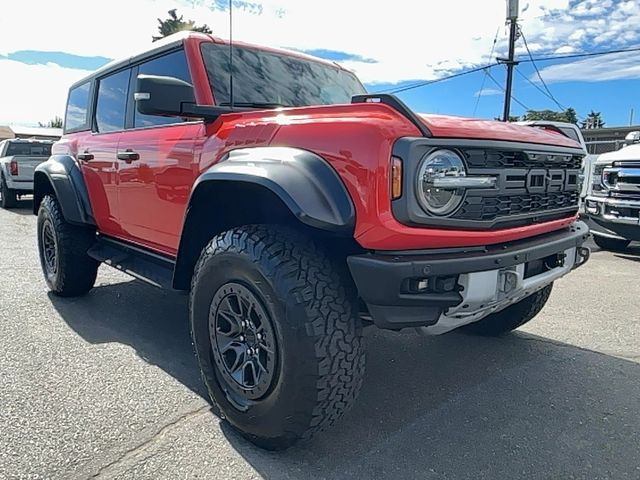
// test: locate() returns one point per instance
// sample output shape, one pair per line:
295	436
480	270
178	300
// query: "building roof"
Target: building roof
17	131
610	131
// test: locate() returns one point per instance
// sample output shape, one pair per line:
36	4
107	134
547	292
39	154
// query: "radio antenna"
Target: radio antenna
231	54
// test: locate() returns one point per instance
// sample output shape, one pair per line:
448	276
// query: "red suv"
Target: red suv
294	208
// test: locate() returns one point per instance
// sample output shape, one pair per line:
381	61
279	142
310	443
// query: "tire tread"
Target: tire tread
310	277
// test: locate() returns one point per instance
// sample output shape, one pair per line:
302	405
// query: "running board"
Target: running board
149	267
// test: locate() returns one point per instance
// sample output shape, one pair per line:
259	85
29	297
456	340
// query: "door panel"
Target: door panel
97	151
154	189
101	177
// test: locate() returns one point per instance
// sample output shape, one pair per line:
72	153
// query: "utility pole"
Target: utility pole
631	118
512	18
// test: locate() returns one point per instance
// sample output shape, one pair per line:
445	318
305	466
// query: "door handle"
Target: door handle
86	156
128	156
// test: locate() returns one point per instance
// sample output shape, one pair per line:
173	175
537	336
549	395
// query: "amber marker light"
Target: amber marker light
396	178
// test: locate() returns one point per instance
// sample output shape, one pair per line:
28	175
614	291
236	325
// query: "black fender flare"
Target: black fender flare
304	181
63	175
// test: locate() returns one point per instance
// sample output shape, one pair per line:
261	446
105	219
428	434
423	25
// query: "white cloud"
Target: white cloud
595	69
408	39
32	93
564	49
487	92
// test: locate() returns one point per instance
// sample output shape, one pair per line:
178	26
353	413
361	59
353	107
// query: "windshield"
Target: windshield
32	149
263	78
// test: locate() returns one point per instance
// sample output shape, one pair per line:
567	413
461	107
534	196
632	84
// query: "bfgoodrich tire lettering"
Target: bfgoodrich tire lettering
511	317
67	268
313	310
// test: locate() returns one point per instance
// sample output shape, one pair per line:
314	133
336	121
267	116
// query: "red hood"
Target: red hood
459	127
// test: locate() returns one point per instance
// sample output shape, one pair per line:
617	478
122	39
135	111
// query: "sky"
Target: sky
47	45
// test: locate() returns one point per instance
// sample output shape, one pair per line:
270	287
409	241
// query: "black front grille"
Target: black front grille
490	208
490	159
515	196
530	183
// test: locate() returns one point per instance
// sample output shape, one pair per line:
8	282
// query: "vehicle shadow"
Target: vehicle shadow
454	406
631	253
23	207
152	321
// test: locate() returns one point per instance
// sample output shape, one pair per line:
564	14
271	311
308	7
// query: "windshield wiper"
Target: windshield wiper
254	104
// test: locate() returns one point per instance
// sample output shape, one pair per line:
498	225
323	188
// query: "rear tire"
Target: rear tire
304	305
68	270
512	317
612	244
8	198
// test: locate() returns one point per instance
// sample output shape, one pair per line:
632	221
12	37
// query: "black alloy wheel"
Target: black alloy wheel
243	343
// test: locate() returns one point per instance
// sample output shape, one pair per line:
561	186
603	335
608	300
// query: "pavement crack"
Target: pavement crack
135	452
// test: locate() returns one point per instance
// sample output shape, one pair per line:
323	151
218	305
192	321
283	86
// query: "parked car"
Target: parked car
612	206
18	160
295	211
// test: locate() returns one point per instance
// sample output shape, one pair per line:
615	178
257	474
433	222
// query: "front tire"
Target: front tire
612	244
68	270
307	367
8	198
512	317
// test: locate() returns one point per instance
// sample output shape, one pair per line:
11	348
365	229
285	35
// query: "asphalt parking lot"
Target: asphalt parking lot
107	386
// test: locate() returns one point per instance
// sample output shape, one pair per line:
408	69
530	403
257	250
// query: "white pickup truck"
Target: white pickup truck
612	204
18	160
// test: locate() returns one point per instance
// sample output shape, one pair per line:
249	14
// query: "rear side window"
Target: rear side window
171	65
29	149
111	105
75	117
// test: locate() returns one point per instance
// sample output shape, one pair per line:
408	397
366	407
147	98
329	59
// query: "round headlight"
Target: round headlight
435	194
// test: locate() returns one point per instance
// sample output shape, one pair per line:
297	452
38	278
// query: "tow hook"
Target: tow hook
582	255
510	280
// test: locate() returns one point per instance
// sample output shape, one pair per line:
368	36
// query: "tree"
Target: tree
593	120
175	24
56	122
569	115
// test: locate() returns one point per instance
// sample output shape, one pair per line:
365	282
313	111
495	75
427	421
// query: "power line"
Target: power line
580	117
503	89
547	58
549	94
437	80
484	78
484	67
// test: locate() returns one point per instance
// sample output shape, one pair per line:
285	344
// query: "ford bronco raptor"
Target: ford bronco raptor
294	207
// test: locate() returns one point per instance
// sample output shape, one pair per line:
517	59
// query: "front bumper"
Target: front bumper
612	218
446	288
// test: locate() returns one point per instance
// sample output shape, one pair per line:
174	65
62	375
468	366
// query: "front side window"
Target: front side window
261	77
171	65
112	102
75	117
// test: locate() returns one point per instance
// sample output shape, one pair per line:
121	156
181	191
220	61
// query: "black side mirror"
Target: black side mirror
167	96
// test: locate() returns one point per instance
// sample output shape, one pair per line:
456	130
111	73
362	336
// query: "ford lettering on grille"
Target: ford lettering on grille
538	180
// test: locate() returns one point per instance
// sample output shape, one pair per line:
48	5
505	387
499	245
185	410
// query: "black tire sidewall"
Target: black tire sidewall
8	197
44	217
285	411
